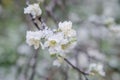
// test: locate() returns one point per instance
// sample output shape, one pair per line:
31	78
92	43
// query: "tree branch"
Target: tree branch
76	68
36	54
34	22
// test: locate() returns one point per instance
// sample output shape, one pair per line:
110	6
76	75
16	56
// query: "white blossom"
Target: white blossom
66	28
66	25
33	9
100	69
96	68
33	38
53	43
115	29
109	21
54	40
70	33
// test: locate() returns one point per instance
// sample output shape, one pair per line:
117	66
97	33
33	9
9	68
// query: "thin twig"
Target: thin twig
76	68
43	25
33	20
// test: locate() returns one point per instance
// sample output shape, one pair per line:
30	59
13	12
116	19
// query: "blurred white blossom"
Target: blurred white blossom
109	21
96	68
115	29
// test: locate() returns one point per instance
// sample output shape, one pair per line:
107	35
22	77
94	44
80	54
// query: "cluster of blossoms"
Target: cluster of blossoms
57	41
96	69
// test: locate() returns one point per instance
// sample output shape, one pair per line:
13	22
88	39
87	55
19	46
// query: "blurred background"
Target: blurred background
98	41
